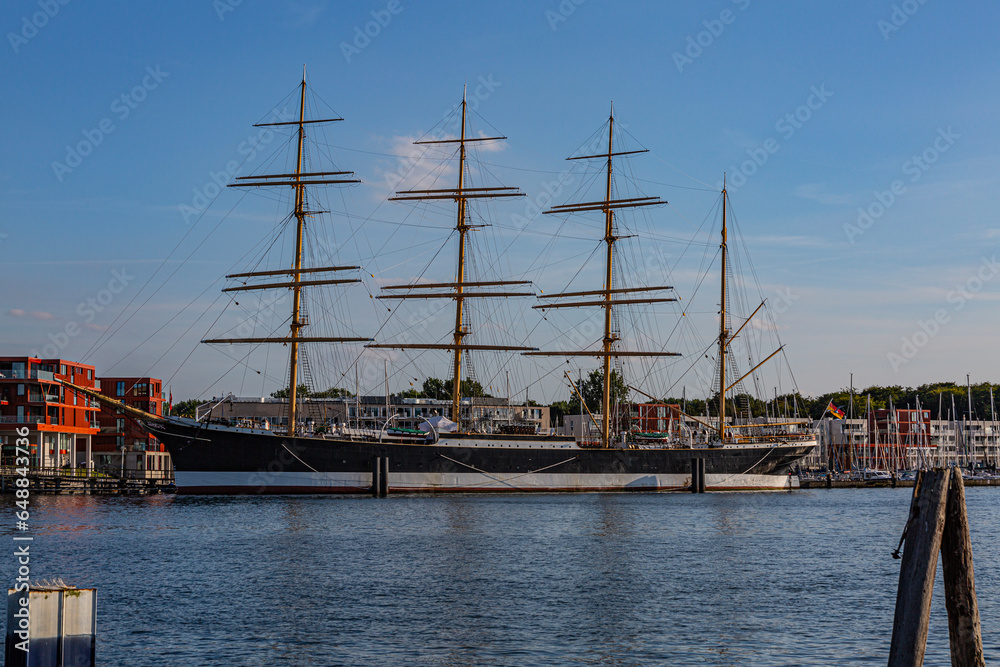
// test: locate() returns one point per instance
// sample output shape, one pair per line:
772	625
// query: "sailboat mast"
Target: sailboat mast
297	180
723	332
296	325
456	389
609	239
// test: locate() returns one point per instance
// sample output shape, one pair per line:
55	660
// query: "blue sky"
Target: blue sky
817	111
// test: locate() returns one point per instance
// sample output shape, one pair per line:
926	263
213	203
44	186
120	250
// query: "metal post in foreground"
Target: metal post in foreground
54	623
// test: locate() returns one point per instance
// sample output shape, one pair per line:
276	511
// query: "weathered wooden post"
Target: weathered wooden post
923	534
701	475
694	475
964	631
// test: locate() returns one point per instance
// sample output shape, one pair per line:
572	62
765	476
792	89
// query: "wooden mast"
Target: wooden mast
296	324
609	239
723	330
460	195
607	301
456	388
298	180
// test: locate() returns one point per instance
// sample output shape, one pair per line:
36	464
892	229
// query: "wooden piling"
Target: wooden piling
701	475
376	476
694	475
924	532
964	632
383	489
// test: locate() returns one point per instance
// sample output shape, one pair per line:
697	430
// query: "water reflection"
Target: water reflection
719	579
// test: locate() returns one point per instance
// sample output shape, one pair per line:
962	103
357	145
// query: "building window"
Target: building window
90	374
63	369
120	388
20	390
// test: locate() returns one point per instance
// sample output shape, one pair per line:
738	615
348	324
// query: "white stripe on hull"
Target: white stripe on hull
336	482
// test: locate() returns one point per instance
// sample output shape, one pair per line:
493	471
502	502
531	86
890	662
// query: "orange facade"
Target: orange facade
118	430
59	419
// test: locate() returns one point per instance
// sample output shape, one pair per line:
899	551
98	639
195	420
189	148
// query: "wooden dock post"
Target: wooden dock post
383	478
964	632
924	530
698	475
938	523
376	476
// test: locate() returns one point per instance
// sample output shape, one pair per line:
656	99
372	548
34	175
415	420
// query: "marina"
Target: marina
544	332
683	579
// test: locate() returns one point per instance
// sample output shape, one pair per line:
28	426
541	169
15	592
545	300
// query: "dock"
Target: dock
67	481
834	483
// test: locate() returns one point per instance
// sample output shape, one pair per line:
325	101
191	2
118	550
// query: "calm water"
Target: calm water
631	579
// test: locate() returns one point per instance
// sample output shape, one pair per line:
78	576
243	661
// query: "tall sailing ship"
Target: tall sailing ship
718	453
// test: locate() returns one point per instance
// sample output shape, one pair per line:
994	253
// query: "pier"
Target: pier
56	481
834	483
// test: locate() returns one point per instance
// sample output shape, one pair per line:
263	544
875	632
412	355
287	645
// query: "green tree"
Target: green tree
333	392
441	389
302	392
593	389
436	389
186	408
558	410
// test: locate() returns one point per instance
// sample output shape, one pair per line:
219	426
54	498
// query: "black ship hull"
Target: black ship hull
222	460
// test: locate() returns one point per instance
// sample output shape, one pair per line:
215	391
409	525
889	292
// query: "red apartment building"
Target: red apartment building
909	428
121	433
60	421
655	417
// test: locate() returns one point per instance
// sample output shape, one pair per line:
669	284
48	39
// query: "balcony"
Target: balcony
26	419
10	374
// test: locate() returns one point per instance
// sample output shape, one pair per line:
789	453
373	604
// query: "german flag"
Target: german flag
835	411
